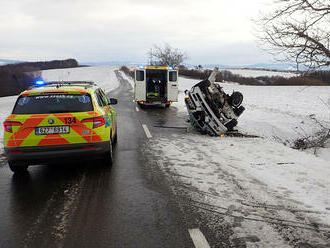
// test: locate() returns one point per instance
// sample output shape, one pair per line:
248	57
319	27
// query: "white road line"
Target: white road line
146	130
198	238
137	109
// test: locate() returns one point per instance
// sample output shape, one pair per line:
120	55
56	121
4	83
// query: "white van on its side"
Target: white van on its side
156	85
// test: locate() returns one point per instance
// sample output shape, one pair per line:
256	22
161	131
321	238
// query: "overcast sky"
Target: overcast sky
210	31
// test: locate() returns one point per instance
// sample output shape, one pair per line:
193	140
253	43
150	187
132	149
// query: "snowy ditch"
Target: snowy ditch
267	192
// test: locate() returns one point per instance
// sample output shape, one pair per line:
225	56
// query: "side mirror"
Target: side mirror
112	101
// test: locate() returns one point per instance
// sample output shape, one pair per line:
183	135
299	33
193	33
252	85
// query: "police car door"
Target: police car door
140	85
172	86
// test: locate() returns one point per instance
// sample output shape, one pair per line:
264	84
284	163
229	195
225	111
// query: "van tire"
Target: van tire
17	168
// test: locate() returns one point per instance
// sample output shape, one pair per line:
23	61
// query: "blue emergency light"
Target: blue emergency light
39	82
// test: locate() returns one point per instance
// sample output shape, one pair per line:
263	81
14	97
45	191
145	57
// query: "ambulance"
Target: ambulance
156	85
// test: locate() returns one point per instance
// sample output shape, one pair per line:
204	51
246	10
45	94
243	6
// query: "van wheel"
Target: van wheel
17	167
107	159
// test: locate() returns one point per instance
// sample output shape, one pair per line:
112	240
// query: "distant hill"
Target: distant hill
9	61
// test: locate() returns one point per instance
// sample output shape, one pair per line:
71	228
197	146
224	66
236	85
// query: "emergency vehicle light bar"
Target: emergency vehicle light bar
62	83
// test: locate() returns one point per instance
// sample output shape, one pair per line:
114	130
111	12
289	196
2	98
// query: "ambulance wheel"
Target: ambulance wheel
107	159
17	168
142	106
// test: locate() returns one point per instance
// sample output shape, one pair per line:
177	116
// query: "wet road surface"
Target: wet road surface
82	204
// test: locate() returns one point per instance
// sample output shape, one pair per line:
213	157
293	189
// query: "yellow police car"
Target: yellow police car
60	120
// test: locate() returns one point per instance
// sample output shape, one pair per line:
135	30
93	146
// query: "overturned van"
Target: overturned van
155	85
212	111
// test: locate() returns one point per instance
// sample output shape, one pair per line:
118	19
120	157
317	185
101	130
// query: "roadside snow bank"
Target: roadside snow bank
128	78
265	189
104	76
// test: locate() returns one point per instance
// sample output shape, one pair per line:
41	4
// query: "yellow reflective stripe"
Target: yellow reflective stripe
32	139
152	67
73	137
8	137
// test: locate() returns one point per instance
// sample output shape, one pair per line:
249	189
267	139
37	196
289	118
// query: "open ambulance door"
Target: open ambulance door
172	86
140	85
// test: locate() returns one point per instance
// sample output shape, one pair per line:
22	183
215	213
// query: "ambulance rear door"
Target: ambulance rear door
140	85
172	86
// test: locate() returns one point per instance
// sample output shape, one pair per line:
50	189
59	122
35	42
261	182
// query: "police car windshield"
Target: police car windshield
53	103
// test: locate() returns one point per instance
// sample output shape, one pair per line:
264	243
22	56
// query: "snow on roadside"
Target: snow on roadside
255	181
128	78
104	76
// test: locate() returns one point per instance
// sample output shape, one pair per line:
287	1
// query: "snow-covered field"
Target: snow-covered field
260	73
104	76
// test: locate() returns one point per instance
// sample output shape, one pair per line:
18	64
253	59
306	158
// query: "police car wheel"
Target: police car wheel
107	160
115	139
17	167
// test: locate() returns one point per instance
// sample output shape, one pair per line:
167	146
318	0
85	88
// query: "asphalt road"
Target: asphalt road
82	204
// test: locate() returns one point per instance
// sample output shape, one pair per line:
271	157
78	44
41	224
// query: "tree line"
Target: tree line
15	78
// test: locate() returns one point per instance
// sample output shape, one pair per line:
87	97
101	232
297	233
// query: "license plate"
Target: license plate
52	130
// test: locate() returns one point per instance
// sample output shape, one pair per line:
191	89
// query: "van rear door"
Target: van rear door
172	86
140	85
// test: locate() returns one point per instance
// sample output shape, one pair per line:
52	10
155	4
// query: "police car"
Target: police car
60	120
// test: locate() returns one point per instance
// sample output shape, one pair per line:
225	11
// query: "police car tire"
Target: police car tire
167	105
17	168
115	139
108	155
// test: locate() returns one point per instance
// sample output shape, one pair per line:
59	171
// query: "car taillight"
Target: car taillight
8	125
97	121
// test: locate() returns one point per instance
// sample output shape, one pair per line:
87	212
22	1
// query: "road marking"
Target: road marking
146	130
198	238
137	109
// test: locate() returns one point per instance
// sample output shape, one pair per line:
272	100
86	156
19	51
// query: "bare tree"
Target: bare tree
298	30
166	55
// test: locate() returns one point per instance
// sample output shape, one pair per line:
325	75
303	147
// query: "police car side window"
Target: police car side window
103	96
100	99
